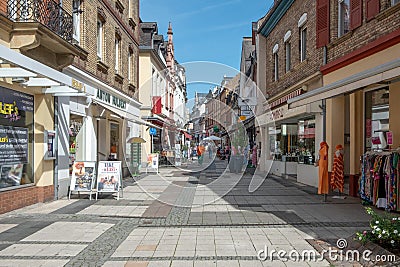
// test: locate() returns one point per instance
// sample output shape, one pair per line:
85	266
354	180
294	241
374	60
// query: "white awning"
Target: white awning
123	114
382	73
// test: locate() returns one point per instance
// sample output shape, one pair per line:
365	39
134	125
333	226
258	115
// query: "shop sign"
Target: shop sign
83	176
78	85
108	176
389	138
13	145
12	103
277	114
111	99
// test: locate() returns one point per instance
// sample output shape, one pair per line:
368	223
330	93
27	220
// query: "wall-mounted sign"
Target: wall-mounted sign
13	145
111	99
78	85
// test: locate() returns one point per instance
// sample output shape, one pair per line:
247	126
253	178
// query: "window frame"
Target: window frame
303	43
76	20
394	2
288	56
276	67
100	39
342	29
117	55
130	69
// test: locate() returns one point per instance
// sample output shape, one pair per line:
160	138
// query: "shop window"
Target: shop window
376	118
76	123
343	17
16	138
306	149
114	139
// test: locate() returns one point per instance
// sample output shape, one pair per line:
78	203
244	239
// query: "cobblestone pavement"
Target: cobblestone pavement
179	218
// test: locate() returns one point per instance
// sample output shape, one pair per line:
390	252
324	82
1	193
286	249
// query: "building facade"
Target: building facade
163	92
96	126
288	65
360	78
33	51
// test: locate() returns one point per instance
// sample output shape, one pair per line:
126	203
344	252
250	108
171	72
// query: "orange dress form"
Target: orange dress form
323	185
337	179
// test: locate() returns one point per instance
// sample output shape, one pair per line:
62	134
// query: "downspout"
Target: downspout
55	175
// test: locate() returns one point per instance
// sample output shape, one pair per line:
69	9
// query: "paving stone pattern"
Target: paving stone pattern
178	218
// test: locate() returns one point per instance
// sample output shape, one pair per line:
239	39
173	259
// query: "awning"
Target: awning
382	73
124	114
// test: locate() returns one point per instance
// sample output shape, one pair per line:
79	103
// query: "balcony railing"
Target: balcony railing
47	12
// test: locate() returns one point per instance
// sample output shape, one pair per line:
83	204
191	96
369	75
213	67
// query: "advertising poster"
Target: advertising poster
152	161
13	145
389	138
83	176
109	176
10	175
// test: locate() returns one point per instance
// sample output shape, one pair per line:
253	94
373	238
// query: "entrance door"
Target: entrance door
114	140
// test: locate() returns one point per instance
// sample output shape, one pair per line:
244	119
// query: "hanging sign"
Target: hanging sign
83	176
108	176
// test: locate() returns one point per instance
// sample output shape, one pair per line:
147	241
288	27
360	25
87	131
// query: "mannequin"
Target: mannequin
323	185
337	179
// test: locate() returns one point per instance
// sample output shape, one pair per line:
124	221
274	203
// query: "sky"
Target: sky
207	30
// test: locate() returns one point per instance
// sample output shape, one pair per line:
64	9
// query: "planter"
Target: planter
236	163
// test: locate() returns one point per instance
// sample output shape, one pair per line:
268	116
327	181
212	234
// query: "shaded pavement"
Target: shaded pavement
200	218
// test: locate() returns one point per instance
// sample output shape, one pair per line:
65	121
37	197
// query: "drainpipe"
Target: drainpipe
55	175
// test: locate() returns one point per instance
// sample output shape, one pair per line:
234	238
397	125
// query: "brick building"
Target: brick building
288	65
71	69
33	50
361	41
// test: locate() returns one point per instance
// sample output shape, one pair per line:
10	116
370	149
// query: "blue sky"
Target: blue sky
207	30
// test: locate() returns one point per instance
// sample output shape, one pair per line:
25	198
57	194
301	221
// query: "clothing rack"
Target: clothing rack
379	183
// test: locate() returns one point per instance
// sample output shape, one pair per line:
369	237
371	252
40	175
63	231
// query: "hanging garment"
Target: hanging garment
337	178
323	185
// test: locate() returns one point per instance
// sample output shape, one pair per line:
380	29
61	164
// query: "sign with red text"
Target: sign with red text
389	138
108	176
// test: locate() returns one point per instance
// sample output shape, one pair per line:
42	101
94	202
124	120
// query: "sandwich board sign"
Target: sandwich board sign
83	177
109	177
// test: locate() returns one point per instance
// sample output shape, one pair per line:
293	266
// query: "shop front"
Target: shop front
361	113
28	129
290	138
95	126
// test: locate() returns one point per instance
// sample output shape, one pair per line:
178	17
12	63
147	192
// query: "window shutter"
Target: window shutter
372	8
322	23
355	14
